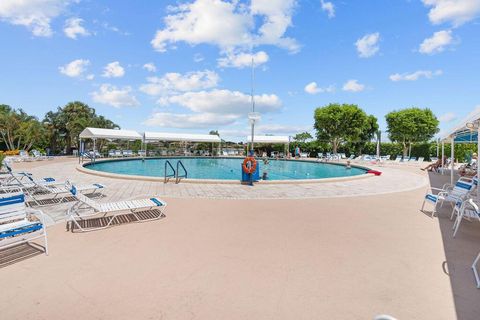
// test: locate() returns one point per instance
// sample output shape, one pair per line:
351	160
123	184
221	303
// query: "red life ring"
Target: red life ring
253	165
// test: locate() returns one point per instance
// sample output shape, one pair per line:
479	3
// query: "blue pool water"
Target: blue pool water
227	168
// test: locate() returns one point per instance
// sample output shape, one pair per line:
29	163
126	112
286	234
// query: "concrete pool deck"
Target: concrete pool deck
352	254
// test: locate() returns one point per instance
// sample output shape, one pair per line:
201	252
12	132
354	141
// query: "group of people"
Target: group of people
468	169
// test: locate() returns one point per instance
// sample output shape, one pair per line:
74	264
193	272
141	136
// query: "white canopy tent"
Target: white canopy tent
189	137
466	131
179	137
100	133
271	139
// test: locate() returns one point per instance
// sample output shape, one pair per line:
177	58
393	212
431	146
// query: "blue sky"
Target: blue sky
184	66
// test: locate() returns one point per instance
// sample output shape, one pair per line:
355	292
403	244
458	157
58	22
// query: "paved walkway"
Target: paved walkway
393	179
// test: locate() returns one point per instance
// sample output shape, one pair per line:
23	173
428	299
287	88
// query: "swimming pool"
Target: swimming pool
226	168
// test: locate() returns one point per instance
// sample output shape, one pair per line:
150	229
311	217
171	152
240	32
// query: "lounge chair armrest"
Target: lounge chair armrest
37	213
436	189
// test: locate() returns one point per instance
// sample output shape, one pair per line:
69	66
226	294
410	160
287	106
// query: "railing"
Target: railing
168	176
178	176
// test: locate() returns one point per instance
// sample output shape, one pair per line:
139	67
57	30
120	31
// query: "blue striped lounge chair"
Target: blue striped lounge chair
18	223
57	193
468	210
453	194
86	208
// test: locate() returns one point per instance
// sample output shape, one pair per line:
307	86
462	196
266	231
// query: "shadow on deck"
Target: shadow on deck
460	253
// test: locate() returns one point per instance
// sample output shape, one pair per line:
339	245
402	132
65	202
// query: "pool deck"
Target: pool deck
339	250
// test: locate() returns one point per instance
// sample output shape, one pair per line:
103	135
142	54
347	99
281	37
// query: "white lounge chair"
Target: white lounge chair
86	209
56	192
468	210
475	271
19	224
454	194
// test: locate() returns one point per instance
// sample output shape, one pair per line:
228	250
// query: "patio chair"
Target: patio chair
475	271
18	223
111	153
57	192
467	210
454	194
86	209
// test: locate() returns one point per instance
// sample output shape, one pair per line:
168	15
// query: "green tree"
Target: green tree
64	126
302	137
370	131
337	123
18	130
411	125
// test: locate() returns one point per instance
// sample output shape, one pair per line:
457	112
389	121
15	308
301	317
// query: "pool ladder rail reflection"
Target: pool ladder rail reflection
175	173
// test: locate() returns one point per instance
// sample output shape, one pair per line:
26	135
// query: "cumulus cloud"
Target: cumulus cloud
73	28
313	88
367	46
184	121
75	68
224	102
150	67
414	76
456	12
353	86
242	60
227	24
115	97
36	15
172	83
447	117
113	70
436	43
328	7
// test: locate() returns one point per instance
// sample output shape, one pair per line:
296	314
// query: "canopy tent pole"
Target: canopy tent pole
443	155
94	149
438	147
453	159
379	133
80	149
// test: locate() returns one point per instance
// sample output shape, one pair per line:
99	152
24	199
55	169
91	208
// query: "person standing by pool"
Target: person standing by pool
297	152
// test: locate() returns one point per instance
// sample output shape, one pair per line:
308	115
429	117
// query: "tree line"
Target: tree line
58	131
341	127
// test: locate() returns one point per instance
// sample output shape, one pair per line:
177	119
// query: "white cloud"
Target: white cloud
313	88
198	57
353	86
36	15
227	24
113	70
73	28
447	117
90	77
328	7
437	42
150	67
75	68
186	121
116	97
242	60
224	102
456	12
367	46
415	75
172	83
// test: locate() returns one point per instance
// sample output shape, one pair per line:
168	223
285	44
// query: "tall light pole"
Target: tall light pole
253	116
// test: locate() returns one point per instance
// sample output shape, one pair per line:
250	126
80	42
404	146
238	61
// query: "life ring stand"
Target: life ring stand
253	165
